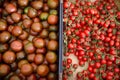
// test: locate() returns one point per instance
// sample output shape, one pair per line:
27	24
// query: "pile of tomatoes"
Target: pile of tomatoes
92	34
28	39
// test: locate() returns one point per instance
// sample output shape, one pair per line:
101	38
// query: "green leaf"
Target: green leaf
117	61
103	56
117	22
117	2
100	77
114	31
86	78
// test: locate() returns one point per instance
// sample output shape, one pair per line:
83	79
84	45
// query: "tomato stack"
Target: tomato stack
92	35
29	39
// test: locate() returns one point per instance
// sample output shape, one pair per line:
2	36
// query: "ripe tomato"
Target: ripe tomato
92	75
69	61
66	5
97	65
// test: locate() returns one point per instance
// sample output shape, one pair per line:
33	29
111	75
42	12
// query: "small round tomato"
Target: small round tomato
97	65
117	70
65	5
70	46
92	75
69	60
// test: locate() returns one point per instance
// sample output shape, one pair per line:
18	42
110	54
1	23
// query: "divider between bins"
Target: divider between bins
60	38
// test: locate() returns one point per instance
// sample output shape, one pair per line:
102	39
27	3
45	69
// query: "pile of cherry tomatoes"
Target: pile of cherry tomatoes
92	34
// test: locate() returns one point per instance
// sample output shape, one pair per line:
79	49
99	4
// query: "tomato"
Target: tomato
75	13
51	57
37	4
87	32
65	5
117	70
81	53
75	66
4	70
26	69
81	63
67	54
42	70
69	61
109	63
109	77
91	75
97	64
90	69
5	36
44	16
68	66
82	34
110	73
52	45
53	3
103	61
74	40
91	54
52	19
70	45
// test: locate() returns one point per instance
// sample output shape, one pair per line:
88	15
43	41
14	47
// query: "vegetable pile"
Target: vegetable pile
28	39
92	34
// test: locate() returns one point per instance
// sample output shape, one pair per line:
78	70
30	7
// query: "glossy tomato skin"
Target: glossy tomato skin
5	37
14	77
32	77
10	8
37	4
97	65
4	70
16	17
69	61
38	59
16	45
39	43
51	46
9	57
42	70
103	61
116	70
36	26
23	3
49	55
52	19
27	23
65	5
29	47
26	69
53	4
17	30
91	76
